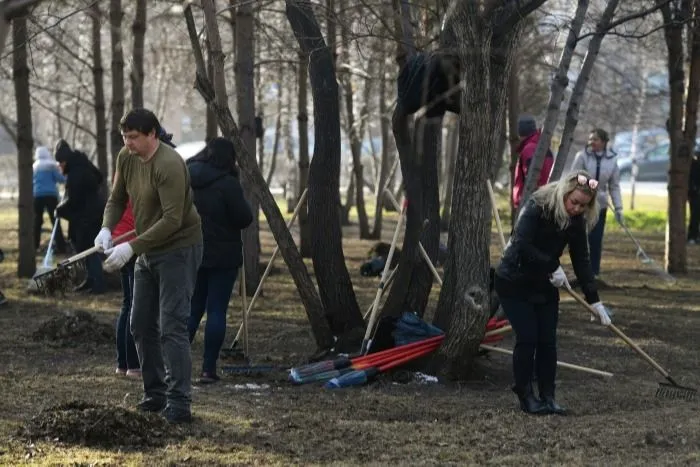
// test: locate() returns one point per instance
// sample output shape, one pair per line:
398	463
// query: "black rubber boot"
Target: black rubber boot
529	403
553	407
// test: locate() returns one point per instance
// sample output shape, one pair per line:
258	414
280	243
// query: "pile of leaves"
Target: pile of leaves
74	328
95	425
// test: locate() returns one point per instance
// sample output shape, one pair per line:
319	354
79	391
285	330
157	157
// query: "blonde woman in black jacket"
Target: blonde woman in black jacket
558	214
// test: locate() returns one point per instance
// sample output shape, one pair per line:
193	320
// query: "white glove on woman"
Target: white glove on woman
602	313
104	239
118	256
558	278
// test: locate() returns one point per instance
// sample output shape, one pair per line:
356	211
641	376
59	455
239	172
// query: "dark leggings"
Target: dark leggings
535	327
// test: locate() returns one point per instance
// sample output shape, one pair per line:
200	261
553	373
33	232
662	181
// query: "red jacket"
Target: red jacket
125	224
526	149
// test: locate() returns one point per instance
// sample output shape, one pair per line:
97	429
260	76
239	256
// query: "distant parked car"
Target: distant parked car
652	165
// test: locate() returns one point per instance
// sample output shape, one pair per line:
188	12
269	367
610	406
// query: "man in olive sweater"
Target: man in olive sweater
169	249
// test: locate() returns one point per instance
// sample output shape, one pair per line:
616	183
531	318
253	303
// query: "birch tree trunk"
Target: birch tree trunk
567	136
245	108
384	131
334	283
26	264
138	30
449	173
98	83
278	125
556	96
216	97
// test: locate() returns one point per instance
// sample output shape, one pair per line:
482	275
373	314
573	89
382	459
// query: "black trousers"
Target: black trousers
535	326
48	204
694	222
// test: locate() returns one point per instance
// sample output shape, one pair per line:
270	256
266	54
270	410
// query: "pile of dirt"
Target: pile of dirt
75	328
88	424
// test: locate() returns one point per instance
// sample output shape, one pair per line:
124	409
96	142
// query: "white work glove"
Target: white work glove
558	278
602	313
104	239
619	217
118	256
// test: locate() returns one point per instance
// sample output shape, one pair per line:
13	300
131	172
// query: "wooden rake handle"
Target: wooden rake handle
621	335
94	249
570	366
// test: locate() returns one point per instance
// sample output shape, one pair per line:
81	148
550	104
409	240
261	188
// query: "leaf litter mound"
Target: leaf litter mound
95	425
74	328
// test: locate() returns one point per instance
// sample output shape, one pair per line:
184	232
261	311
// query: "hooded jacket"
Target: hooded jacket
526	151
224	211
608	176
46	173
84	200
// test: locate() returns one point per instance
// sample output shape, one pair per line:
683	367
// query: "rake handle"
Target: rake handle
623	336
94	249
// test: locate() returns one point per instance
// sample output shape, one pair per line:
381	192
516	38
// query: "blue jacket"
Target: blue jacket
46	173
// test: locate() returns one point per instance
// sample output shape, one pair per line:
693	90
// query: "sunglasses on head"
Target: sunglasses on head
590	182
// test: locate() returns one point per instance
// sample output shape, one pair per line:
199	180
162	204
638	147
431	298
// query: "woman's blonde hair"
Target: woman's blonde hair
550	198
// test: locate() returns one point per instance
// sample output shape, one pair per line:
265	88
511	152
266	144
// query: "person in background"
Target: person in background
556	215
694	200
601	163
529	137
82	205
168	248
220	202
47	175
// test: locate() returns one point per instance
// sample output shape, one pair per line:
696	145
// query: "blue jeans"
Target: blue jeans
212	293
535	326
127	358
595	242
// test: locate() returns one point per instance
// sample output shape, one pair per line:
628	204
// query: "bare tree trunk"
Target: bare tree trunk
98	82
115	21
513	102
138	29
278	125
567	136
334	284
215	96
556	96
245	108
26	265
682	138
384	122
355	133
211	129
292	182
303	125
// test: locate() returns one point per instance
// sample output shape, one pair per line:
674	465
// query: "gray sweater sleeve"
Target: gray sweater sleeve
614	188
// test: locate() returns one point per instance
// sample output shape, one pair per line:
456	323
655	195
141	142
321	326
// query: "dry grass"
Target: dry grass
613	422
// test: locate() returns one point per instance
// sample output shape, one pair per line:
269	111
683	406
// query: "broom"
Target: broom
67	271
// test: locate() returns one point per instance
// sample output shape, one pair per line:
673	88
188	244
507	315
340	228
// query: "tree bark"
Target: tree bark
26	265
303	174
572	112
115	32
245	108
98	82
334	284
215	96
513	99
138	29
278	126
449	173
384	123
211	129
556	96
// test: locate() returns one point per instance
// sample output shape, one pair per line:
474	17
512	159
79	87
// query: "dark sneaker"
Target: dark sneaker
151	404
3	300
177	415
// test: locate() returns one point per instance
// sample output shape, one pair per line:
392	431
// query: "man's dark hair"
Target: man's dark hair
141	120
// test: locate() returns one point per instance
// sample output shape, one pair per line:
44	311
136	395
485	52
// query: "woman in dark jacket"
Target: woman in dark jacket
224	211
83	205
558	214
